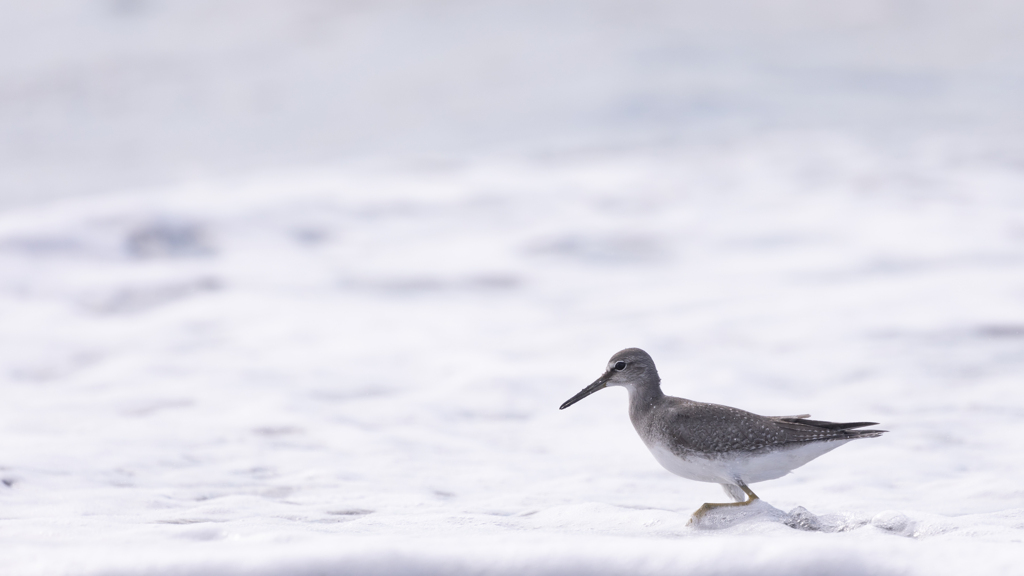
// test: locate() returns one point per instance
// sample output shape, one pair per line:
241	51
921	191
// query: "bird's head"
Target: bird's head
632	368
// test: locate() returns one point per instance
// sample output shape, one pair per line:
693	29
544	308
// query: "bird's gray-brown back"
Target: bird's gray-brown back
690	426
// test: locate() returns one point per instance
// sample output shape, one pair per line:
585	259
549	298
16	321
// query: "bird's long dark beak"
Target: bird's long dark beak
597	385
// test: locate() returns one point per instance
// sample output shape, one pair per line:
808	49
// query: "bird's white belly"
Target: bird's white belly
728	467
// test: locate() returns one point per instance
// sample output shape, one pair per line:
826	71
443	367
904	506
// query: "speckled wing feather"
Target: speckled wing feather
709	428
712	428
804	430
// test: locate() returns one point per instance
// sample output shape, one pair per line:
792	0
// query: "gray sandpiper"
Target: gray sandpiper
713	443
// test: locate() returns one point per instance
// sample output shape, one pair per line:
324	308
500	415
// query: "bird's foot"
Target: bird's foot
709	506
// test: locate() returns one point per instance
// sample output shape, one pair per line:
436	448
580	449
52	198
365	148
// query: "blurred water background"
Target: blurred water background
289	287
101	95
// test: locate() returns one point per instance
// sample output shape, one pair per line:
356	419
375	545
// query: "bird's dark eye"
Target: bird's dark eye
620	365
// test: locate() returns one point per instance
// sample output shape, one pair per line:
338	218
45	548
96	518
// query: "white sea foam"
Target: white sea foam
345	373
342	262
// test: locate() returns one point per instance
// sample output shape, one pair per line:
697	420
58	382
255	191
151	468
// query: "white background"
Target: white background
297	288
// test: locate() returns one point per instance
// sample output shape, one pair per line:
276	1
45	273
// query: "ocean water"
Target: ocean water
110	95
329	331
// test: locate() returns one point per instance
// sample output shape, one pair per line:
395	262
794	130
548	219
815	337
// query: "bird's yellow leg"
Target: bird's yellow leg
750	493
709	506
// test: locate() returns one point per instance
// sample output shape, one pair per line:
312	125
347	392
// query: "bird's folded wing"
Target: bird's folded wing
804	430
714	428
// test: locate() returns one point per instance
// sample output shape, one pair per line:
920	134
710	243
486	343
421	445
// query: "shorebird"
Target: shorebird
714	443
